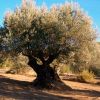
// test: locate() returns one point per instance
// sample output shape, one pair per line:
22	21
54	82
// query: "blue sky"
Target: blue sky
90	6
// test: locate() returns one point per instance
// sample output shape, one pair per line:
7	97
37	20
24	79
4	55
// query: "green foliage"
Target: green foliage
60	29
46	34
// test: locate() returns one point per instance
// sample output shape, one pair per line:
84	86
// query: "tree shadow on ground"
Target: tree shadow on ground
23	90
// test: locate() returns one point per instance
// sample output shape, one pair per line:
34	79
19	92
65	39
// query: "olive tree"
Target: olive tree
44	35
2	44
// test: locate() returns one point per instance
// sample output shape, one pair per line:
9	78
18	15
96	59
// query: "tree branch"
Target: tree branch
40	56
52	57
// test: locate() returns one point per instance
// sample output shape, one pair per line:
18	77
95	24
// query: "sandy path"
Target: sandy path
13	87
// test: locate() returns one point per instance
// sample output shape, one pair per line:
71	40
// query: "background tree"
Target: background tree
44	35
2	44
95	62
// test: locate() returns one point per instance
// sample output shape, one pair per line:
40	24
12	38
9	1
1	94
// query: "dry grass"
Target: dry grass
86	76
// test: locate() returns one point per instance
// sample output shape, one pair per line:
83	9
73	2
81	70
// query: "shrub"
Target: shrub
64	69
86	76
8	63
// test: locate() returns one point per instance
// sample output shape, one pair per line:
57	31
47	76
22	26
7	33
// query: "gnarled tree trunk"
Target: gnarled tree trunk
46	75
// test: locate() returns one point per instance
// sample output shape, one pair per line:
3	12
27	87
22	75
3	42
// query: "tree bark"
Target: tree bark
46	75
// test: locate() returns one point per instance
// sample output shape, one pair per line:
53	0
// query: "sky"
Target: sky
92	7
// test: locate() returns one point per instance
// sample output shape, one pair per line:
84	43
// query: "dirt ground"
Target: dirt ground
17	87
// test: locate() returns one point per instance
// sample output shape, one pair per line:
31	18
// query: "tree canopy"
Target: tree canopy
45	32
